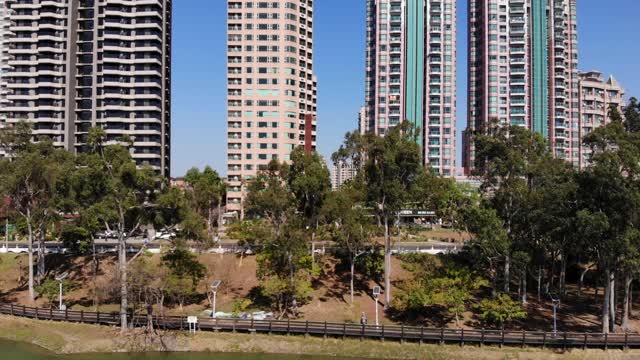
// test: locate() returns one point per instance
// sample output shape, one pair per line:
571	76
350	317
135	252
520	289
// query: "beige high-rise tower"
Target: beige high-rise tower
271	87
77	64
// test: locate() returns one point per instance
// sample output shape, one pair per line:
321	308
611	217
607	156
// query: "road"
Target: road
110	245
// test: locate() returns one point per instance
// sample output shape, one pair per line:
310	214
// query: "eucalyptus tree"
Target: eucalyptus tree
349	225
390	166
31	180
208	192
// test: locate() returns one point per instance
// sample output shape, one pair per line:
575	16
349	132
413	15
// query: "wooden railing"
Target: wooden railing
561	340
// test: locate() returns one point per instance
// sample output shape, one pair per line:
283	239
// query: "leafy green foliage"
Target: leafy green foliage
501	310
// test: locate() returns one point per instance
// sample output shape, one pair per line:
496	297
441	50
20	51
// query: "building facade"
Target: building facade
271	87
77	64
342	172
523	70
5	34
597	96
411	74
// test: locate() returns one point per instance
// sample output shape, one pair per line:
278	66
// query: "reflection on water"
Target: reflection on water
19	351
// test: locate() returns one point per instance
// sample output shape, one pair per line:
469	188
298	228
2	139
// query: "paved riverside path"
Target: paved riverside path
561	340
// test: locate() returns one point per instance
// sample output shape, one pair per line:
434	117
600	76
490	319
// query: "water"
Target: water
19	351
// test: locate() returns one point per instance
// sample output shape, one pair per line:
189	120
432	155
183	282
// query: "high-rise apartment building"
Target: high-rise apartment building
597	96
5	24
411	73
523	70
271	87
77	64
341	172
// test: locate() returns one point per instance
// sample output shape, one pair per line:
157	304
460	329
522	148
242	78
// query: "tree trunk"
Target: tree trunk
524	286
581	281
539	283
605	302
612	301
95	273
41	253
124	291
507	273
32	295
387	263
626	303
563	274
352	275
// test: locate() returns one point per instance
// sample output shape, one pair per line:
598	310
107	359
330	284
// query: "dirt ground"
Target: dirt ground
330	298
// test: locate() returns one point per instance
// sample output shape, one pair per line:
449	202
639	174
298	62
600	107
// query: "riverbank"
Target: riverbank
68	338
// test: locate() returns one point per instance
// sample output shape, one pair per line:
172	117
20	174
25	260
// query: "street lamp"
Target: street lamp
376	293
59	279
214	288
555	302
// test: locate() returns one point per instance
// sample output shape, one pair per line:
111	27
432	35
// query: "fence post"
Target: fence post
606	341
98	317
344	331
270	326
36	313
234	325
524	338
66	314
502	338
325	329
461	337
288	326
24	310
382	338
181	323
252	323
81	316
481	337
564	341
50	313
11	309
217	327
626	341
584	346
421	334
402	333
362	333
544	339
442	335
306	329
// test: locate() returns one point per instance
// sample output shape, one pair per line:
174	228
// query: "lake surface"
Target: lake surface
19	351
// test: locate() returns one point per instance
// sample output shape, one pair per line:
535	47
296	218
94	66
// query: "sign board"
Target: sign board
376	291
192	319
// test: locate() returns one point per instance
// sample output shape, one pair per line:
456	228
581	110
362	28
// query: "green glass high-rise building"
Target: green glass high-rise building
523	70
411	74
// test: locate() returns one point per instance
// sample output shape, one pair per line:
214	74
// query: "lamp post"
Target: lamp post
214	288
59	279
376	293
555	302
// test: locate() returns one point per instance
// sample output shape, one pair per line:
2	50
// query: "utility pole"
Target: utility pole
6	234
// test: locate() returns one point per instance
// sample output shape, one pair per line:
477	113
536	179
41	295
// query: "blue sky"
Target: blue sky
607	41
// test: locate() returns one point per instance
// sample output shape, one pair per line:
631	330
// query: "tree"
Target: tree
348	225
609	202
631	115
450	286
30	181
208	193
501	310
125	199
185	273
391	164
283	263
50	289
309	180
504	157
